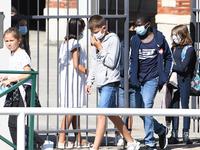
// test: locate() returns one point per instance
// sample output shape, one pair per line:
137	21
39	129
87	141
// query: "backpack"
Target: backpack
195	74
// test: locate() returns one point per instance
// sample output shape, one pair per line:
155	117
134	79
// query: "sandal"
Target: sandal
65	145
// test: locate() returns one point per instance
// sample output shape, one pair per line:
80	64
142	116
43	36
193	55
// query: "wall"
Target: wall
5	7
171	13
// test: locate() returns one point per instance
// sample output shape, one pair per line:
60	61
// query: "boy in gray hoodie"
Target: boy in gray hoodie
105	71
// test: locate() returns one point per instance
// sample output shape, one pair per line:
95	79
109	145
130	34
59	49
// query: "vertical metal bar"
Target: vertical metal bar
116	19
32	104
57	67
21	132
126	58
97	9
47	62
38	55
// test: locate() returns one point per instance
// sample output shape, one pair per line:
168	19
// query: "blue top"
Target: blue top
164	58
148	66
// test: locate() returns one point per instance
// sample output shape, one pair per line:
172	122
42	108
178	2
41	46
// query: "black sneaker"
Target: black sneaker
147	147
163	141
186	138
173	140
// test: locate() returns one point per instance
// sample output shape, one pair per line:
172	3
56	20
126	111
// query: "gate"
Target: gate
44	54
195	34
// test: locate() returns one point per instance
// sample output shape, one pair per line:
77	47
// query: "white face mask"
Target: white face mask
176	39
100	35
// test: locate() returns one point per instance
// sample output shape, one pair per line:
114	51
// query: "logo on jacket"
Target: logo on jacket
160	51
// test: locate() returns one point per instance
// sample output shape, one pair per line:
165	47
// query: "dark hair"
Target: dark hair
96	21
182	31
72	27
144	17
13	9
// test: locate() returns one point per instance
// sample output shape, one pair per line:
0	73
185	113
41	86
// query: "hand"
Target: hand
87	89
2	78
96	42
5	83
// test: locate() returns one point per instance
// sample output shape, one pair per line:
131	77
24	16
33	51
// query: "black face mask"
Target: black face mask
131	33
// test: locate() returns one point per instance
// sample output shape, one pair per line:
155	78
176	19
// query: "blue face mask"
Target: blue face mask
23	30
141	30
81	35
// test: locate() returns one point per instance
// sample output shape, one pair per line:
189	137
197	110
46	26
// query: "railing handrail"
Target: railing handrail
100	111
19	72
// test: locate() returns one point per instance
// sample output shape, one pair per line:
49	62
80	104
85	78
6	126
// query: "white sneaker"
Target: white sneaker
120	140
133	146
48	145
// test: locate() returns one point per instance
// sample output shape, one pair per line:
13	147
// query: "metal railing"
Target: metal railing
21	112
32	104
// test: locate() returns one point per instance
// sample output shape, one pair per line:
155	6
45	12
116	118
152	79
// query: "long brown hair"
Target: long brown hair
182	31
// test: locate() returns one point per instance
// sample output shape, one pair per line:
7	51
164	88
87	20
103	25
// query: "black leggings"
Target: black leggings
12	122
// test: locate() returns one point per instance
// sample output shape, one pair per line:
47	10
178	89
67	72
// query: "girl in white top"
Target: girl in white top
19	61
72	82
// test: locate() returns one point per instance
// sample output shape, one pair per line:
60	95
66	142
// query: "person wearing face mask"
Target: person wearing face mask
181	38
105	71
71	51
150	66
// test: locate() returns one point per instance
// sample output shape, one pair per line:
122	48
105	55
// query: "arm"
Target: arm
167	59
80	67
18	78
181	66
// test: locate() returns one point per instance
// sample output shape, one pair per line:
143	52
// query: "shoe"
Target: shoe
163	141
173	140
133	146
120	140
147	147
48	145
186	138
65	145
88	144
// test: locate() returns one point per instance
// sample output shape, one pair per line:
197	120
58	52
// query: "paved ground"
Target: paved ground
48	97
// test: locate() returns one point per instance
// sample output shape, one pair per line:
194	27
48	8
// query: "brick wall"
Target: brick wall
62	3
174	7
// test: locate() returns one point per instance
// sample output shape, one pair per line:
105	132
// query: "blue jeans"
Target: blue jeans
145	95
184	94
120	100
107	97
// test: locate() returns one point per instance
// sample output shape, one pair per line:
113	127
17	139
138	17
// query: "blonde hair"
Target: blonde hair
182	31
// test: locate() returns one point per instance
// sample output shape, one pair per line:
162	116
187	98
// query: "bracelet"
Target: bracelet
17	79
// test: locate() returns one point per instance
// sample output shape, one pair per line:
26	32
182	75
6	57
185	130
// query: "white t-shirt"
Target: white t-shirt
18	60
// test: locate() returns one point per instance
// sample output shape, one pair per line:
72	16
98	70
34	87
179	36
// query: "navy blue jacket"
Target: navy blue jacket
164	59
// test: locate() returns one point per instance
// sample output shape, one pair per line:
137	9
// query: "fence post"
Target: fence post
31	128
21	131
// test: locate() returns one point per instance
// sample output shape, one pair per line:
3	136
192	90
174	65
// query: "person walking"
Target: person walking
105	71
72	82
149	51
19	61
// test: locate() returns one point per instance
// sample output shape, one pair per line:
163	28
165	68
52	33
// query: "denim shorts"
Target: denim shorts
107	97
120	100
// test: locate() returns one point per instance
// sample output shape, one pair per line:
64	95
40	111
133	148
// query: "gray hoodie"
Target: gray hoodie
105	64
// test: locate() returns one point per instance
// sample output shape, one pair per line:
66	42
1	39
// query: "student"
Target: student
105	71
149	51
181	38
19	61
69	77
120	100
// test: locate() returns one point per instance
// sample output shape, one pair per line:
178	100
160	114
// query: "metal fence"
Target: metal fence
45	59
195	33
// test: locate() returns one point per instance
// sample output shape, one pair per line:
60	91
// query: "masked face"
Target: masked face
176	39
141	29
81	35
100	35
23	30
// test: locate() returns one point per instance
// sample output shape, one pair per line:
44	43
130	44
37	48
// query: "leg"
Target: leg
101	126
121	127
62	136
